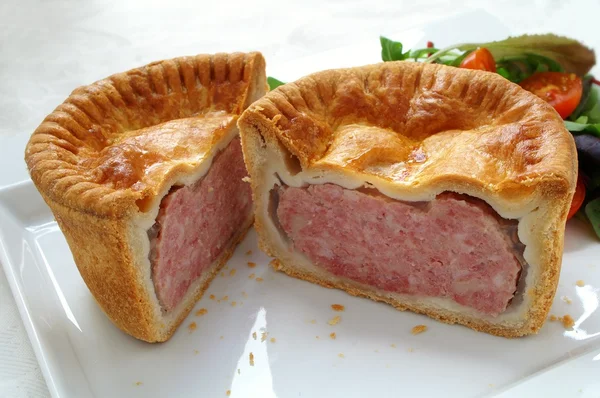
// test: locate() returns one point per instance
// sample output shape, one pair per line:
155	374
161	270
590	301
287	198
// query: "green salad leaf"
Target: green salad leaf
592	211
392	50
273	83
555	51
586	117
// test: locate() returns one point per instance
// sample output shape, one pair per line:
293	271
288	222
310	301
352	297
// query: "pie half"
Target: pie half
438	190
143	172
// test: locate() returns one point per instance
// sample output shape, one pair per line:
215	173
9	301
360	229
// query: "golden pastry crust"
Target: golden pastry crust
104	159
72	156
412	131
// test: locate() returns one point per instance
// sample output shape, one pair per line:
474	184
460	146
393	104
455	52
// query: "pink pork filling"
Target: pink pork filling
454	247
196	223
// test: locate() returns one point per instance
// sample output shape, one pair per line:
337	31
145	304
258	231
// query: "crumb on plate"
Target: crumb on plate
201	311
337	307
580	283
233	303
251	264
259	279
393	345
225	298
567	321
273	340
332	335
418	329
232	272
566	299
335	320
192	326
263	336
249	252
254	335
251	276
341	355
228	392
251	357
196	352
138	383
212	297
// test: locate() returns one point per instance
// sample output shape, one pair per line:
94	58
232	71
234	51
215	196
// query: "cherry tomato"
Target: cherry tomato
578	198
561	90
480	59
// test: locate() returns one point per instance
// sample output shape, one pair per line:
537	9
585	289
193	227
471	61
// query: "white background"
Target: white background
47	48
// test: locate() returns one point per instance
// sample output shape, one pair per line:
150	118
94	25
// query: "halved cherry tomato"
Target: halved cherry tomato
480	59
578	198
561	90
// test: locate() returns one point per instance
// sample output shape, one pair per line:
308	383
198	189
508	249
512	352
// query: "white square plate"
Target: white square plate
374	354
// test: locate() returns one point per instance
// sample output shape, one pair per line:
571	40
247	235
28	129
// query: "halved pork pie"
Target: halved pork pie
438	190
143	172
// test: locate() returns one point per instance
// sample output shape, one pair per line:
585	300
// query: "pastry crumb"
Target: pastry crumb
192	326
249	252
393	345
337	307
222	274
251	264
251	276
491	385
410	349
228	392
418	329
335	320
273	263
221	337
313	321
201	311
138	383
263	336
273	340
317	337
225	298
232	272
254	335
244	294
233	303
568	322
341	355
251	357
580	283
332	335
212	297
566	299
196	352
259	279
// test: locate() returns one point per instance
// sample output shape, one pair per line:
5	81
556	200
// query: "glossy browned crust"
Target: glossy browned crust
99	216
481	135
61	152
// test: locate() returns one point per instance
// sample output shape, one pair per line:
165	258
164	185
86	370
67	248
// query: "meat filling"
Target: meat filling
196	223
455	246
